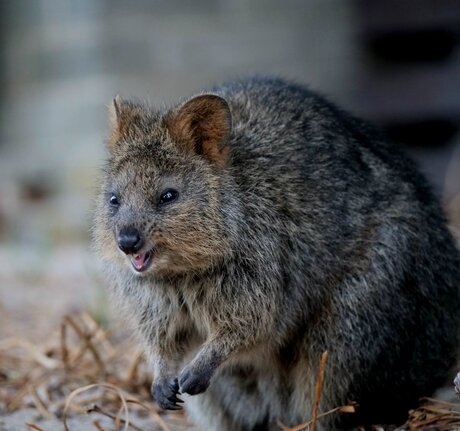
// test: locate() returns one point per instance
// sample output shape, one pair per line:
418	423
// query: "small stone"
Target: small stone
457	384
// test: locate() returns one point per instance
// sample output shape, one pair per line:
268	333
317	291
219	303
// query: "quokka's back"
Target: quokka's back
250	229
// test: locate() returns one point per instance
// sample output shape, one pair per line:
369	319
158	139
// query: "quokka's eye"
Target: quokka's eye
168	195
114	201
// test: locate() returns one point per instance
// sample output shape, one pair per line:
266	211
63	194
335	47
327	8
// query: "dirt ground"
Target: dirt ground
17	421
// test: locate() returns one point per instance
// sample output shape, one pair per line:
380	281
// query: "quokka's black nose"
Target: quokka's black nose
130	240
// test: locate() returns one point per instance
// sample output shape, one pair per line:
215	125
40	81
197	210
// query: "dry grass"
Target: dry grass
85	370
434	415
81	371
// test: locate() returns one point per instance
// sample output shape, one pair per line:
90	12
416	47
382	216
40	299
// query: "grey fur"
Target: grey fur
313	234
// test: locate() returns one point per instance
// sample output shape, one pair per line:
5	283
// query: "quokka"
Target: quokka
252	227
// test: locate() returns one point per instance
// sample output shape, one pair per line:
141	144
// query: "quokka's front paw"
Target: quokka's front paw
164	392
194	380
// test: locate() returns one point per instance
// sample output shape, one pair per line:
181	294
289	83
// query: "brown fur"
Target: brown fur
295	229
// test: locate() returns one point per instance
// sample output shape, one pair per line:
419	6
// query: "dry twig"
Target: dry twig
318	390
34	427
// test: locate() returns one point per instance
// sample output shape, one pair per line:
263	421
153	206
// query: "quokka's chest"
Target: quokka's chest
186	307
199	313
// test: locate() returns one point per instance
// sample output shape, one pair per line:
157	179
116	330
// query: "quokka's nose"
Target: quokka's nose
130	240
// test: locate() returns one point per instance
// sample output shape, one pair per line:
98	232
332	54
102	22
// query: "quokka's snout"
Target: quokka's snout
130	240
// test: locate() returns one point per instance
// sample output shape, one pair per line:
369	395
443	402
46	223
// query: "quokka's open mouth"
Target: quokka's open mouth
141	262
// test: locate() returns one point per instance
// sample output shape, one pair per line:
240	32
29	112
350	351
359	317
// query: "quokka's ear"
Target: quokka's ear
202	125
122	114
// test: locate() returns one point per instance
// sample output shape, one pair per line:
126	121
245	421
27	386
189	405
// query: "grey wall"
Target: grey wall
64	61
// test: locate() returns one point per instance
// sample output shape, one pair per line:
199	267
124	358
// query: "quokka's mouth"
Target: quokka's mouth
141	262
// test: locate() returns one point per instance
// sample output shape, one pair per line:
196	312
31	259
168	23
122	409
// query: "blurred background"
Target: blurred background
393	62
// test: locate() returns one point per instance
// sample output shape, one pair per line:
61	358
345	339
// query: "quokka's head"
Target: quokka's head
159	210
